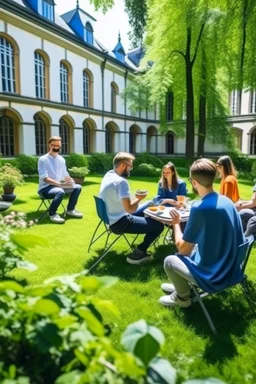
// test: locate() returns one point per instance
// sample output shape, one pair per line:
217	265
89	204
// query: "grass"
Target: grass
189	346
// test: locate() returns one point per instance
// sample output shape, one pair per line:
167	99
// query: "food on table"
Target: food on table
141	192
161	207
154	209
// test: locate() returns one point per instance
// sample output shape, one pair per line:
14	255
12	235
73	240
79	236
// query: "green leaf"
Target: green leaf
45	336
68	378
12	286
126	363
65	321
45	307
81	357
210	380
161	372
26	241
93	283
143	340
40	290
105	305
92	322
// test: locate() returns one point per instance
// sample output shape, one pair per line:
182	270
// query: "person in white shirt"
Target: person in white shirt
54	182
114	191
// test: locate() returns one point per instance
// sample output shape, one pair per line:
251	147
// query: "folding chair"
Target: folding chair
102	214
243	254
45	203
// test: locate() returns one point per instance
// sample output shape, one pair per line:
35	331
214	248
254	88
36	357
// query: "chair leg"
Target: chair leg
43	203
206	313
93	240
104	254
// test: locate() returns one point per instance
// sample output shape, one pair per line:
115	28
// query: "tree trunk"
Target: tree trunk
190	124
202	125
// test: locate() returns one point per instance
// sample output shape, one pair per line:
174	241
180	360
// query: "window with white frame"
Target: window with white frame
64	86
253	102
235	102
48	9
7	138
40	76
40	136
7	66
86	88
65	136
88	33
114	92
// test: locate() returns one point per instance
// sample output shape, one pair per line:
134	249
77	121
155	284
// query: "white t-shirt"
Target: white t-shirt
113	189
53	167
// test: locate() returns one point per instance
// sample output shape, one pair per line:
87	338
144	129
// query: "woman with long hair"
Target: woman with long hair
228	174
170	186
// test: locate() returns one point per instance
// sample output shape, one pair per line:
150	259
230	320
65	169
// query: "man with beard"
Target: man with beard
121	209
54	182
207	251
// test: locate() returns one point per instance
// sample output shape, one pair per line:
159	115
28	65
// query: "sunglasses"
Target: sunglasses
128	165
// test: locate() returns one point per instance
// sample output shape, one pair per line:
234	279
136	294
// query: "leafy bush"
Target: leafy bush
10	176
100	163
79	172
27	164
241	162
147	158
146	170
76	160
13	244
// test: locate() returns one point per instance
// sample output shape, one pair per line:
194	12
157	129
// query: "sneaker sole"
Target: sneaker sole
137	262
171	305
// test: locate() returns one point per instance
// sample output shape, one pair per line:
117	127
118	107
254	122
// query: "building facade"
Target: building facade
56	78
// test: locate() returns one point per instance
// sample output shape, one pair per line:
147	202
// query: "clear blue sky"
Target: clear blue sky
107	26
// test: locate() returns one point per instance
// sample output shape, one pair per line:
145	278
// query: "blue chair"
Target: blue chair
243	254
102	214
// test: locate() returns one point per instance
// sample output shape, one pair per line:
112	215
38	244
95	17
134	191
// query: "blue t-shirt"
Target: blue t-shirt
215	226
163	193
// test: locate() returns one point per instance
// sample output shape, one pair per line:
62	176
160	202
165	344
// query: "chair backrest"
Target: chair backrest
101	209
244	251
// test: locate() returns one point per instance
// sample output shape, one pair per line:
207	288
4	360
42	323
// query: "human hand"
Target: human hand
171	202
175	216
140	197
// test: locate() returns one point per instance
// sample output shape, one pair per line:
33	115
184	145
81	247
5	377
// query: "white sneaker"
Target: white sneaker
57	219
168	288
173	300
75	213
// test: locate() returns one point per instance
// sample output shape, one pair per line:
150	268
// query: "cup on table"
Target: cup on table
181	200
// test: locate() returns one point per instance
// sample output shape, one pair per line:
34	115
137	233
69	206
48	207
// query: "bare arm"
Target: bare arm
184	247
247	204
131	206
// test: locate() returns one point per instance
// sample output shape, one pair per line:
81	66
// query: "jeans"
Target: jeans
57	194
246	214
179	274
139	225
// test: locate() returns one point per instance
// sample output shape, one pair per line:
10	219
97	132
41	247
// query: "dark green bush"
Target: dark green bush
146	170
27	164
241	162
147	158
100	163
76	160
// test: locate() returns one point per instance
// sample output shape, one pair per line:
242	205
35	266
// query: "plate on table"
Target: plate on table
141	192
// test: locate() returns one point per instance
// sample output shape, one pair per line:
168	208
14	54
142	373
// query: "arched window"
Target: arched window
253	102
114	93
65	136
65	82
7	64
40	76
253	142
7	137
109	139
151	139
87	89
86	137
170	143
40	135
88	33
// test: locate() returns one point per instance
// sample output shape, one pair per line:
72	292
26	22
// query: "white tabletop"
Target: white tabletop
164	215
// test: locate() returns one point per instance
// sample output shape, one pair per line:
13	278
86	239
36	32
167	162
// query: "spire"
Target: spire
77	4
119	37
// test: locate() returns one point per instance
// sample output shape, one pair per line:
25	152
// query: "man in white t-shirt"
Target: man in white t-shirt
54	182
114	191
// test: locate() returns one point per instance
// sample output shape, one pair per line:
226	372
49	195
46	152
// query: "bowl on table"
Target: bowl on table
141	192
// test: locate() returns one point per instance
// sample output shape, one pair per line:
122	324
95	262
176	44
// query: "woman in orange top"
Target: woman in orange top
227	172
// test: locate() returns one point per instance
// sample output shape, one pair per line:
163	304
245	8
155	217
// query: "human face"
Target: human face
193	184
126	171
220	169
55	146
167	173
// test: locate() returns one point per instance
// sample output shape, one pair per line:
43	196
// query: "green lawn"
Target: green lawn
189	345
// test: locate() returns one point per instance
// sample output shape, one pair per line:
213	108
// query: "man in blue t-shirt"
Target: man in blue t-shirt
207	251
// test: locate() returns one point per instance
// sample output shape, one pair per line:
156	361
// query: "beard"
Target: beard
195	191
56	150
125	174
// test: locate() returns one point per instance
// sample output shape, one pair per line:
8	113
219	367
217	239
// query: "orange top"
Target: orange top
229	188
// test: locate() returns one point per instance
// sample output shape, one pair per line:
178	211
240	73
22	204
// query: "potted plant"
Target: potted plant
78	174
10	177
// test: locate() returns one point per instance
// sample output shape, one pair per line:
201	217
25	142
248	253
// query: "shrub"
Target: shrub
146	170
27	164
10	176
78	172
147	158
100	163
76	160
242	163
